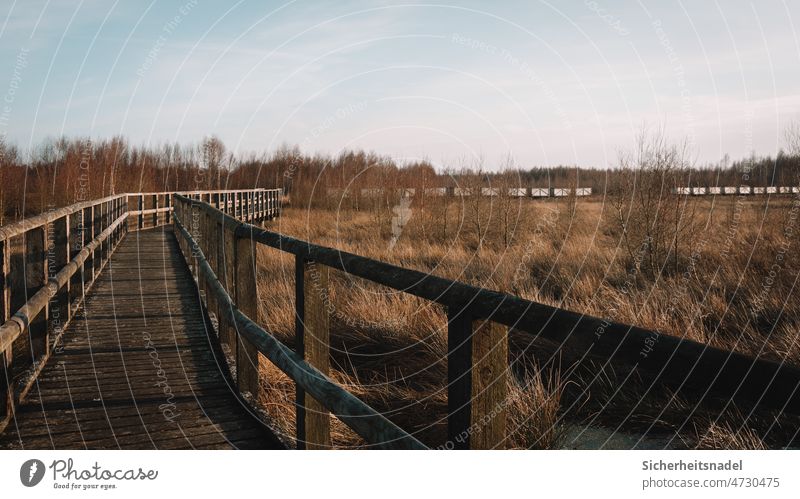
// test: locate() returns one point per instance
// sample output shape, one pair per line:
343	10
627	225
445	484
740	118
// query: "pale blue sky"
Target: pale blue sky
548	82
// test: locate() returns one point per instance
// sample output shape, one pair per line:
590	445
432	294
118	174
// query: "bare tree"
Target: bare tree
651	218
213	157
477	215
507	201
792	135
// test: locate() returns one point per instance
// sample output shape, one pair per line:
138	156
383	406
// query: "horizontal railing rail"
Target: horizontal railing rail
364	420
49	261
693	368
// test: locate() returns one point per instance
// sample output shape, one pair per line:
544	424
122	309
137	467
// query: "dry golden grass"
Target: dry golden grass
732	287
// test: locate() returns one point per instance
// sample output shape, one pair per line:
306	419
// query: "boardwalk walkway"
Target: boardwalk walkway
104	389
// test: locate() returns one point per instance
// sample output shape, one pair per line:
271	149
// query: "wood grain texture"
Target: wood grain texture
138	368
489	388
247	302
312	333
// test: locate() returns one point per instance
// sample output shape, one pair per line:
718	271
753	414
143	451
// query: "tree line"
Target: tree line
62	171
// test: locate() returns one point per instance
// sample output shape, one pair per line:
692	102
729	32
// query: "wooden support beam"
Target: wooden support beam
477	371
228	269
247	363
312	343
6	357
97	257
59	254
102	224
35	278
74	245
5	279
141	209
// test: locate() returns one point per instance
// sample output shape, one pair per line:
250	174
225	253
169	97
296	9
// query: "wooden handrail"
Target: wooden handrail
47	262
18	323
47	217
364	420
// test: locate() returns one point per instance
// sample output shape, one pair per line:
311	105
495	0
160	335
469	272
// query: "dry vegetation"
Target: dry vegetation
730	286
721	271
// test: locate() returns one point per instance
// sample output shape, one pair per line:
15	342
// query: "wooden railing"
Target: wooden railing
151	209
50	261
221	252
223	261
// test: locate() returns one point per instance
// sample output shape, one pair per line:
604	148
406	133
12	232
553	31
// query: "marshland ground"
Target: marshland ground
717	270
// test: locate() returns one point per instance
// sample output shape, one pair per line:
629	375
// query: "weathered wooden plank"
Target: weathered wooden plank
35	278
6	356
312	341
228	268
489	385
459	378
106	366
58	257
246	286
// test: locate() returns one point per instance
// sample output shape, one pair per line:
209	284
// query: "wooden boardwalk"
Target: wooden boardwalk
138	369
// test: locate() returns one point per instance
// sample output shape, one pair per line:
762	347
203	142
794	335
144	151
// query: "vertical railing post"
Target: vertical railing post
247	364
103	224
85	230
5	279
97	219
256	206
88	235
120	211
60	313
477	371
113	213
141	209
211	256
228	270
155	207
16	281
75	238
127	209
6	375
312	343
35	278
